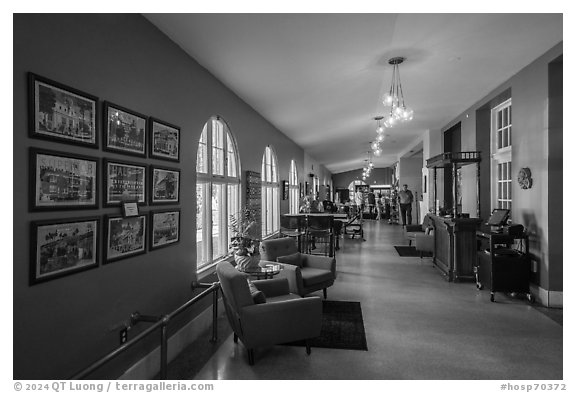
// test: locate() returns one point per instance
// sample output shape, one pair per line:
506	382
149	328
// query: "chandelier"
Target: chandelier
394	99
368	167
376	149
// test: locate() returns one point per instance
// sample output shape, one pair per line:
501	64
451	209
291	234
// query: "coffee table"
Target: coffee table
264	271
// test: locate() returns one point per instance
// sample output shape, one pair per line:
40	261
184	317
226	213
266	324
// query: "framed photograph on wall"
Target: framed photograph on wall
63	247
124	181
164	228
164	186
164	140
124	130
61	113
62	181
124	237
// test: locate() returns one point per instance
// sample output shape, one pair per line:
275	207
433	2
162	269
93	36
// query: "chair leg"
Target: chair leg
251	357
308	349
325	292
235	338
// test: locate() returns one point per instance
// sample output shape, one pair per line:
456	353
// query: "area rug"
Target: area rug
342	327
410	251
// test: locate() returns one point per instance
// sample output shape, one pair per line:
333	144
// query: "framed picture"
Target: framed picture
164	140
62	181
124	237
285	189
165	186
63	247
61	113
124	130
164	228
124	181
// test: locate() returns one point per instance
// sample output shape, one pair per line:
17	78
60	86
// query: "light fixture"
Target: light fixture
394	99
379	137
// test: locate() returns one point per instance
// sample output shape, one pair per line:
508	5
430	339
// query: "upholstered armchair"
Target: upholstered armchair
267	314
305	273
424	241
410	231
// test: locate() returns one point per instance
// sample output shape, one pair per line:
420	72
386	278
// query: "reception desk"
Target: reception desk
455	246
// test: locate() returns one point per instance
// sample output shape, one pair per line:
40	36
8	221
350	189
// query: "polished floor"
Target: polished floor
418	327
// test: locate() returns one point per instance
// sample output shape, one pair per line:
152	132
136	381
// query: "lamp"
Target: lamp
395	97
379	137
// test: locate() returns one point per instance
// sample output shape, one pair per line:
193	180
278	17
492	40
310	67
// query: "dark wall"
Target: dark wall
63	325
555	172
378	176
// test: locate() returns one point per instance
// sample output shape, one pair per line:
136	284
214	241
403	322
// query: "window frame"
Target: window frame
501	155
270	193
211	182
293	189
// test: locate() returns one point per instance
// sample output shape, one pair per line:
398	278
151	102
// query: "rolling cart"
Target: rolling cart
500	267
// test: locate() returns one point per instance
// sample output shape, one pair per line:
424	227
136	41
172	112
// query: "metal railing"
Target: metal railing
162	324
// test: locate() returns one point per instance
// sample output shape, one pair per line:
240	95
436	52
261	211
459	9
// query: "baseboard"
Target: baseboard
552	299
149	366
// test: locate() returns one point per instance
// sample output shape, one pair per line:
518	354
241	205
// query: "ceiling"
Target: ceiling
319	78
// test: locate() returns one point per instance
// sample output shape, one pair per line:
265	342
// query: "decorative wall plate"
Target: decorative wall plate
525	178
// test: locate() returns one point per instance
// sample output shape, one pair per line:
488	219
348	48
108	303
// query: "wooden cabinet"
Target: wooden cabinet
455	246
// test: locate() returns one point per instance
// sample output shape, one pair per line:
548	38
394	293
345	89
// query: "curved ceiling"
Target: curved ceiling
319	77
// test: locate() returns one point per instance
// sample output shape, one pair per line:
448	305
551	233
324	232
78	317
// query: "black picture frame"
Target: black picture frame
164	185
61	113
61	181
285	189
124	131
124	237
63	247
124	181
164	140
164	228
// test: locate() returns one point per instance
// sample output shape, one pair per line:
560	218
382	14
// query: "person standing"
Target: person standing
405	199
379	206
371	201
359	199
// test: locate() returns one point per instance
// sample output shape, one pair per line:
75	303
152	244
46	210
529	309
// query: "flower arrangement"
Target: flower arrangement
242	227
306	204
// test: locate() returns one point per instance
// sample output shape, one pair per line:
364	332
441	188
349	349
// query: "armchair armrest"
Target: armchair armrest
321	262
294	276
273	287
278	322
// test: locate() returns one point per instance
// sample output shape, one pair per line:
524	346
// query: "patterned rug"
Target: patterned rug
342	327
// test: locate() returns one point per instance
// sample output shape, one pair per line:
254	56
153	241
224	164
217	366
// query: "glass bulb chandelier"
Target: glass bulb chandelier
376	149
368	167
394	99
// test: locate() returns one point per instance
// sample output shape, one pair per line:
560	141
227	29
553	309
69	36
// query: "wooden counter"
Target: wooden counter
455	246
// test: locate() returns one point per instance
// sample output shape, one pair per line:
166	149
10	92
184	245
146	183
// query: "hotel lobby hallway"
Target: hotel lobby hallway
418	326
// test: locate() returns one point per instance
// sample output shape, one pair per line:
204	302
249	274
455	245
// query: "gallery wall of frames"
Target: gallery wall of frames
146	194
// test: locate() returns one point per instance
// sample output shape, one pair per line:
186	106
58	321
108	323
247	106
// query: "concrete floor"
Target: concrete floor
418	327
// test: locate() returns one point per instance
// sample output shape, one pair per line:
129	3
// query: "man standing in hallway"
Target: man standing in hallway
405	199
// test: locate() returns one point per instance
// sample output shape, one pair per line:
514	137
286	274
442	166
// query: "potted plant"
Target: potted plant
244	244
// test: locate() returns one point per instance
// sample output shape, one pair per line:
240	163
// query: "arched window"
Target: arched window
217	191
352	187
293	196
270	194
